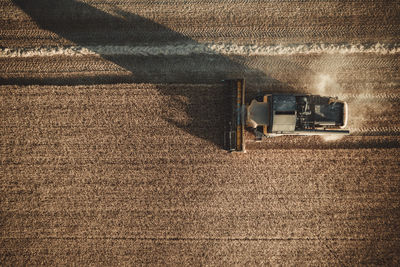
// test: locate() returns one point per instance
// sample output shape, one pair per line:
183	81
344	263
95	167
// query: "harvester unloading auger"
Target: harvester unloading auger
273	115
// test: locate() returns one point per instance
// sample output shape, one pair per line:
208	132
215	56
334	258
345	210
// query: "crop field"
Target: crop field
112	120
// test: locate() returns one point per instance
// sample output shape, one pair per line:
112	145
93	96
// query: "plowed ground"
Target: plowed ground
110	159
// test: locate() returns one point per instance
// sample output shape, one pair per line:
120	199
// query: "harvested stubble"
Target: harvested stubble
100	175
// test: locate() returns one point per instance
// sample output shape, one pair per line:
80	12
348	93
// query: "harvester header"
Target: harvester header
234	136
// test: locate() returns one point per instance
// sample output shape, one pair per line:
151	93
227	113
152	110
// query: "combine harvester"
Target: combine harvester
273	115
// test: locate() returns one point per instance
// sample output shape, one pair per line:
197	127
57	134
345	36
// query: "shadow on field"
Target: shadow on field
87	26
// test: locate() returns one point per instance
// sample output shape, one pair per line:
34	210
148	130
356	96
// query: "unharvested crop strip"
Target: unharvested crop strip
369	96
184	49
376	130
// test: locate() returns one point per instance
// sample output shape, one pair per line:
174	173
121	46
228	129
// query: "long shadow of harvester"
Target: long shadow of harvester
89	27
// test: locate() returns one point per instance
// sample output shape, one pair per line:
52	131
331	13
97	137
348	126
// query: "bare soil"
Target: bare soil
117	159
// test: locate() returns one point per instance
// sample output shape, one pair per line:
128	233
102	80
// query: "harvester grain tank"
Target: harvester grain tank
273	115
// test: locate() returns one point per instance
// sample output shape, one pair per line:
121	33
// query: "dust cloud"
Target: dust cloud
326	85
362	106
331	138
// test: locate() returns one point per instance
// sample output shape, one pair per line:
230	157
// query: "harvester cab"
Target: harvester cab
273	115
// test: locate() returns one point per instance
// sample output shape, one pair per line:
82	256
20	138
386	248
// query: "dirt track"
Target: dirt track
113	158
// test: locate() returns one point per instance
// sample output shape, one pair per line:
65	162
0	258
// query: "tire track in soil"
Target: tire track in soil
261	22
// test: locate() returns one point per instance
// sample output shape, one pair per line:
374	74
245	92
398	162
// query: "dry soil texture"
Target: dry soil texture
112	116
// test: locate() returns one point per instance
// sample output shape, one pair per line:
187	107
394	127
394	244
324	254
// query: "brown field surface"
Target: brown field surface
112	119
